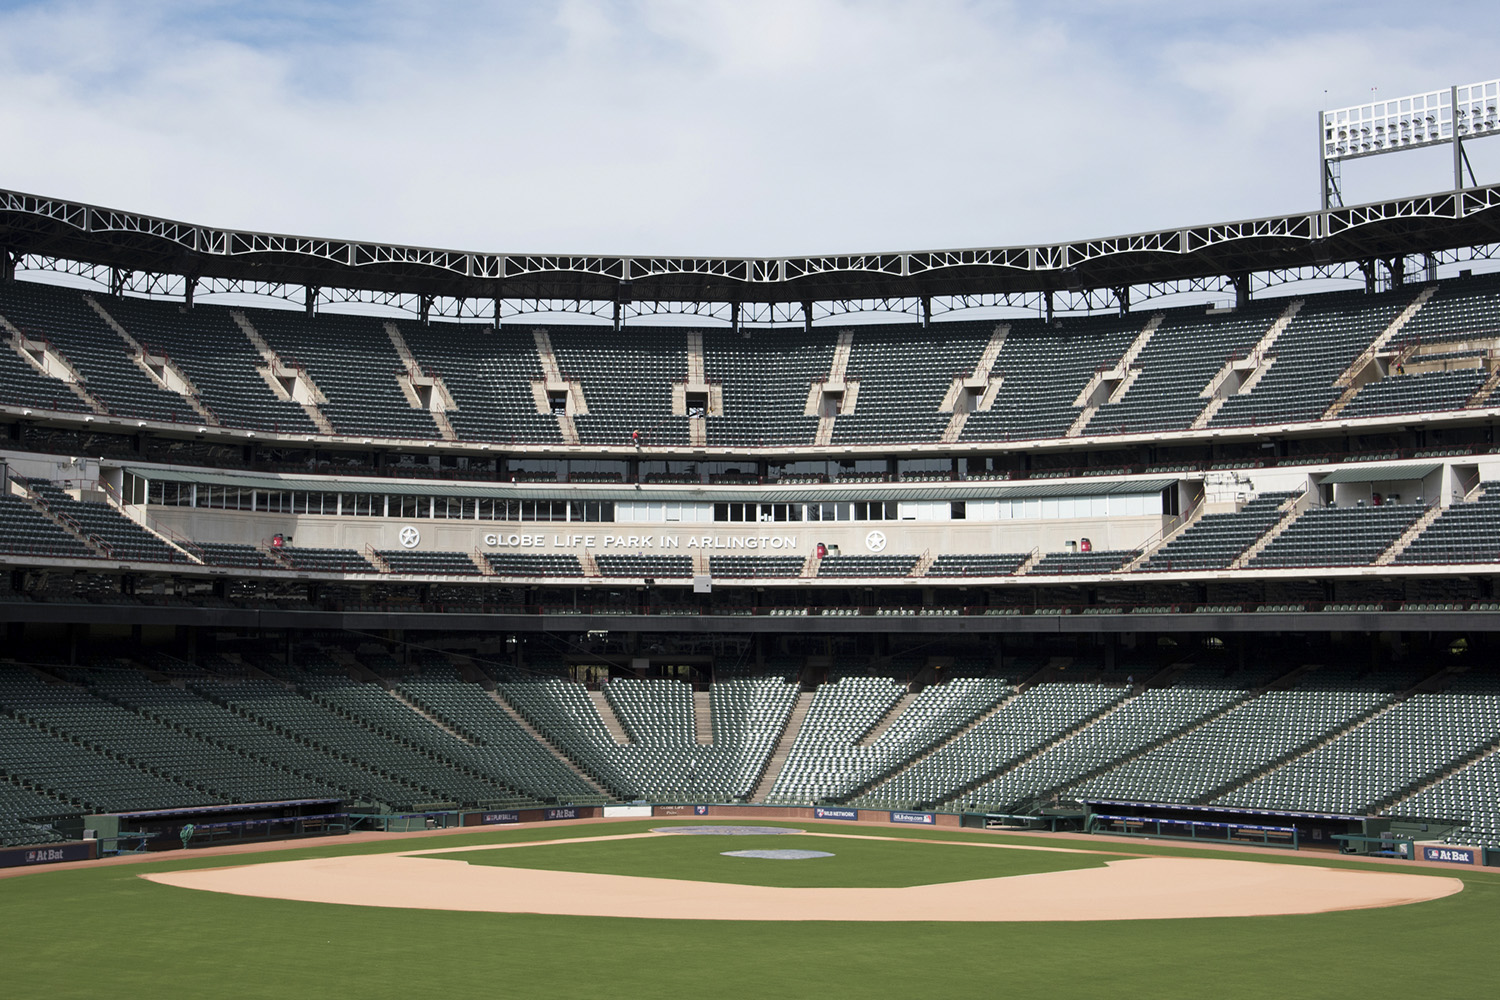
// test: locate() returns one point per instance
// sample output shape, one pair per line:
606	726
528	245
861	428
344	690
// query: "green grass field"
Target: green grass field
104	931
855	863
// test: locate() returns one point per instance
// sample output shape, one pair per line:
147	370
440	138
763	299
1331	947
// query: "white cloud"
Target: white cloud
681	125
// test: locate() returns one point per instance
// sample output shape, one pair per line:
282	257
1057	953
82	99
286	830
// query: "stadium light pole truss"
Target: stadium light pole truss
1416	121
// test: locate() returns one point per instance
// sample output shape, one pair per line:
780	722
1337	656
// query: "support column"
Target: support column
619	321
807	316
1241	290
424	309
1458	144
1048	295
1122	296
310	300
8	264
191	286
926	311
734	317
116	281
1396	267
495	320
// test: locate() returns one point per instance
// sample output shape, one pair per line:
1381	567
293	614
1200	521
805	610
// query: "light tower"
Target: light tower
1449	116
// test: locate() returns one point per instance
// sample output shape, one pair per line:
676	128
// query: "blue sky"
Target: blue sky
713	126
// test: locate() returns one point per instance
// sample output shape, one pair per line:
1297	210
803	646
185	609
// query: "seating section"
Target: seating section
1239	744
986	564
524	564
855	566
1073	563
213	352
1464	533
627	381
841	713
1019	727
489	374
237	556
30	532
1139	722
110	737
1394	752
834	769
903	379
663	762
1183	355
1216	540
645	566
23	385
25	814
429	563
316	560
354	363
751	567
122	537
101	357
766	376
1324	338
1338	536
1044	369
1429	392
509	749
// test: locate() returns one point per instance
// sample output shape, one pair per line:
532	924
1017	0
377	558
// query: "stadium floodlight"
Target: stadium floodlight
1433	118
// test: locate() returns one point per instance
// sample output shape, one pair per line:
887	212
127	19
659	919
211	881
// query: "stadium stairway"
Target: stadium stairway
1258	357
1294	510
783	748
1411	534
157	367
889	719
1351	380
611	720
535	734
286	381
703	719
982	383
48	362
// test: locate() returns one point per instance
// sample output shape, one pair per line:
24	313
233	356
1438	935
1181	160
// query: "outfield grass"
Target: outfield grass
855	863
104	931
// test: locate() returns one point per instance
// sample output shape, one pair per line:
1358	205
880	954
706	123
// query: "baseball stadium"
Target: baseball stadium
1111	616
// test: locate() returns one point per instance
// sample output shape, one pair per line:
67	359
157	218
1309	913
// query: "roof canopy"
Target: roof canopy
107	237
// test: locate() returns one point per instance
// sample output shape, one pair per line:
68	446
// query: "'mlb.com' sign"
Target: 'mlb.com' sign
925	819
823	812
1452	855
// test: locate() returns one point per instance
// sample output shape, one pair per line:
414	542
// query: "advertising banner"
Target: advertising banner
1452	855
824	812
922	819
46	855
567	812
619	811
509	816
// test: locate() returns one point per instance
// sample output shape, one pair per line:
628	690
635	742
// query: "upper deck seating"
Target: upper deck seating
62	317
211	350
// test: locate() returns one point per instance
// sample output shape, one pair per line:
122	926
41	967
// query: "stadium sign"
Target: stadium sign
47	855
567	812
1450	855
823	812
923	819
510	816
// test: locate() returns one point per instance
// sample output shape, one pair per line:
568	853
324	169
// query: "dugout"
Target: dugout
161	829
1264	827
